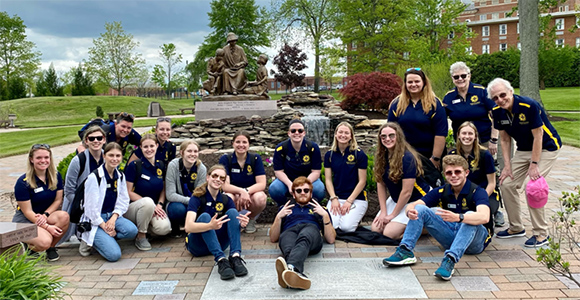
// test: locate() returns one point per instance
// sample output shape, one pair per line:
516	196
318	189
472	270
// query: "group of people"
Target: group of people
162	192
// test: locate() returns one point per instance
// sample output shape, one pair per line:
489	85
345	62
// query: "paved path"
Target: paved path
505	270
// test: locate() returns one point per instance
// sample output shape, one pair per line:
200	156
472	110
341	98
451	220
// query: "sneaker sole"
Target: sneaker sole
510	236
228	277
407	261
537	245
443	277
250	231
53	259
280	268
143	248
294	280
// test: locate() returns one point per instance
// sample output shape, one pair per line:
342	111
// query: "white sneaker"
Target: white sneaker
84	249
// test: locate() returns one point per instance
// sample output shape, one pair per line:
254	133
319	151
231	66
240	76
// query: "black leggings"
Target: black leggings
298	242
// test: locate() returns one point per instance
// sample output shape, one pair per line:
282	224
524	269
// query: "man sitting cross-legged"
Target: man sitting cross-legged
462	224
297	227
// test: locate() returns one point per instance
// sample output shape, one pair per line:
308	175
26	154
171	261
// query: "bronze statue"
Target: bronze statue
260	86
215	70
235	61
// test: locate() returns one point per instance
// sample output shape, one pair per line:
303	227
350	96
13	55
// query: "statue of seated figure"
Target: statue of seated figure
215	70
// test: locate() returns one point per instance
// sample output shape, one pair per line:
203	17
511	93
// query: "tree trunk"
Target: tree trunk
316	65
530	39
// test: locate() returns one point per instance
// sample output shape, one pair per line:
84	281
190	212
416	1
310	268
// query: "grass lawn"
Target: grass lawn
19	142
567	98
280	94
568	130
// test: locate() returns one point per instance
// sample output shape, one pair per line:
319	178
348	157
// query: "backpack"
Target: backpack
253	159
94	122
201	208
77	208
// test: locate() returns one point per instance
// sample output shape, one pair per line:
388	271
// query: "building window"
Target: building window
518	27
406	55
502	47
495	16
485	31
560	43
578	42
502	29
451	35
485	49
563	8
353	45
483	17
559	24
469	50
495	2
519	46
272	84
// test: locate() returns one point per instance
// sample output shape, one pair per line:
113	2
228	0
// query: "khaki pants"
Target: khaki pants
511	197
141	213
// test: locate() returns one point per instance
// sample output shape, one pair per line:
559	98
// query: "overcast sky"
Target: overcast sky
63	31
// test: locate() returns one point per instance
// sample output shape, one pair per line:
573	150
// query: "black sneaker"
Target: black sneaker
237	264
51	254
225	269
26	249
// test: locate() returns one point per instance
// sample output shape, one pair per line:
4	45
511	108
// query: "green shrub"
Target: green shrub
100	112
63	165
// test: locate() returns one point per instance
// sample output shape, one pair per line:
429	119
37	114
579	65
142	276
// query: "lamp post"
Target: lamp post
12	117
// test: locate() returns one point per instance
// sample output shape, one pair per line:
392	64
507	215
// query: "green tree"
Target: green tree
162	73
48	84
113	57
17	56
82	83
315	19
331	64
16	88
247	20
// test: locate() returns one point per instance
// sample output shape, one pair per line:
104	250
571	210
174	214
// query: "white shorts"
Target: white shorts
401	217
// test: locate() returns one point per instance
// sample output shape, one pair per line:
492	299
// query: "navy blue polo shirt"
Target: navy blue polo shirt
93	163
301	214
134	138
457	205
526	114
111	194
245	177
298	164
150	183
478	172
475	108
345	171
187	178
40	198
212	206
420	129
165	153
409	171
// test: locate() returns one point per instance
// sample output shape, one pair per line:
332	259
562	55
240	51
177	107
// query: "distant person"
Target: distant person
166	151
456	215
538	146
345	168
39	196
299	228
293	158
246	180
121	132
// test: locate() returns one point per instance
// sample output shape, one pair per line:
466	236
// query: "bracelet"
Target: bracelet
333	198
534	162
326	223
493	142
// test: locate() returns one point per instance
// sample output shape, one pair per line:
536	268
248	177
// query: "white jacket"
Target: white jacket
94	198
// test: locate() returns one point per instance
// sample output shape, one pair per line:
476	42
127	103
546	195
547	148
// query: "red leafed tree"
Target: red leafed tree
373	90
290	61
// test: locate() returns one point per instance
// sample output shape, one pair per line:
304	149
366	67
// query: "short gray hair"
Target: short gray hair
497	81
459	66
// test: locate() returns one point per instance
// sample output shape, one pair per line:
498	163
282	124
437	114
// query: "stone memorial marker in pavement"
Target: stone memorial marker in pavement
14	233
123	264
228	109
473	283
155	287
514	255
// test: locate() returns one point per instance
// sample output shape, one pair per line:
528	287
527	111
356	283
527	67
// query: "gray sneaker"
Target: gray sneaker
251	227
499	219
142	244
84	249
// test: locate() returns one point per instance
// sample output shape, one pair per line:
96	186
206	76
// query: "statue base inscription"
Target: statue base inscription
229	109
14	233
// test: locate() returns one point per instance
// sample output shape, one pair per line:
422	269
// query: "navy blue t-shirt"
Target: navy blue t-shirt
475	108
457	205
40	198
212	206
302	214
420	129
134	138
478	173
409	171
111	194
527	114
245	177
297	164
165	153
345	171
150	183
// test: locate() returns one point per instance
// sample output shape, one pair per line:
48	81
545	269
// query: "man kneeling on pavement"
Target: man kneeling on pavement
457	215
299	227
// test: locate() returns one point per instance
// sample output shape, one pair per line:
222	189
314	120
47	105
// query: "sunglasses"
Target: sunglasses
40	146
216	176
416	69
463	76
93	138
127	115
299	130
391	136
299	191
502	95
164	119
450	173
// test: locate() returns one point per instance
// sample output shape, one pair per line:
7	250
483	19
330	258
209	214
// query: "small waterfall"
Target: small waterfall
317	125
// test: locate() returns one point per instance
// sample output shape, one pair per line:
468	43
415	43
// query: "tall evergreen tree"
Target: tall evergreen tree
82	84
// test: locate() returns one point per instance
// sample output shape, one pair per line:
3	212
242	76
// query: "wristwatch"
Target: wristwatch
435	158
461	216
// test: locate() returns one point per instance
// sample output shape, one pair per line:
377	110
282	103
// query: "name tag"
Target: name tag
236	170
145	177
504	122
451	206
38	190
288	158
455	101
108	185
208	204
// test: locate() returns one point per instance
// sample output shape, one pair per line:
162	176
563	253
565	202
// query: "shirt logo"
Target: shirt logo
249	169
464	203
474	98
472	164
310	212
522	117
159	172
124	144
350	158
194	176
115	184
306	158
219	207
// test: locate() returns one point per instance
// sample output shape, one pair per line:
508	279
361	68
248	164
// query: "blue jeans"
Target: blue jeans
457	238
107	245
216	241
279	191
176	212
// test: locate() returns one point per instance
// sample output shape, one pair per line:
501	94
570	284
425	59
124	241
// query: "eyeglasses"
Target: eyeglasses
299	191
463	76
93	138
456	172
416	69
502	95
164	119
127	115
391	136
299	130
216	176
40	146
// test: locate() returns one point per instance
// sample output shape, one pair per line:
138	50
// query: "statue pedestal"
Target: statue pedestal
229	108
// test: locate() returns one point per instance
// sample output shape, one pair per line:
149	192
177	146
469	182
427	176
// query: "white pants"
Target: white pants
141	212
350	221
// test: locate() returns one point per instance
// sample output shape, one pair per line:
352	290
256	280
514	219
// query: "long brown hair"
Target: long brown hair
476	146
51	179
395	157
428	97
202	189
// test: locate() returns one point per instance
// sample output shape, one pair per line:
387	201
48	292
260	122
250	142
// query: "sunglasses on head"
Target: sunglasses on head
299	130
216	176
391	136
416	69
127	115
450	173
40	146
163	119
299	191
93	138
502	95
463	76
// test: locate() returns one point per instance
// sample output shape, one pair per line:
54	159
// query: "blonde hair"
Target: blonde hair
149	136
202	189
428	97
455	160
51	179
395	157
353	144
476	146
186	144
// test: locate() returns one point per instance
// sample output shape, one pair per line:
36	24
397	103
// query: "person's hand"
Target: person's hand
41	220
285	211
335	207
244	219
110	225
244	200
159	213
534	172
317	208
492	148
53	230
505	173
412	214
379	220
447	215
435	163
345	208
216	223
